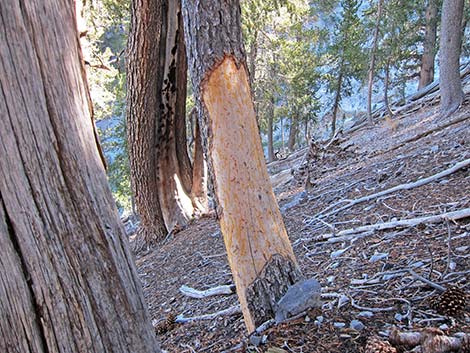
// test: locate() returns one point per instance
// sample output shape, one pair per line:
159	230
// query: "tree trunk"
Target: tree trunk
336	102
271	155
260	255
372	61
175	199
292	135
386	84
426	75
199	187
143	104
451	40
67	279
160	167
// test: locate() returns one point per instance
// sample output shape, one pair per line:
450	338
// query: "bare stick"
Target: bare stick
367	230
200	294
233	310
407	186
425	280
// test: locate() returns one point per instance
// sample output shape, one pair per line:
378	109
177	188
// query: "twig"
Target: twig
200	294
233	310
407	186
425	280
374	310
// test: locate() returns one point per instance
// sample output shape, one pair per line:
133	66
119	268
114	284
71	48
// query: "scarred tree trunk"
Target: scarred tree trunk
143	104
160	167
426	74
67	279
260	255
450	45
174	184
372	60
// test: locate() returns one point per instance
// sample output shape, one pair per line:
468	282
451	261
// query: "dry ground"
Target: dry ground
379	290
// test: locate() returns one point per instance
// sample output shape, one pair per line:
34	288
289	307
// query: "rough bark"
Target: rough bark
143	105
450	45
250	219
372	60
175	200
199	183
426	74
160	167
67	279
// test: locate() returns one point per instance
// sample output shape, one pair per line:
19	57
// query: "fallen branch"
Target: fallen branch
368	230
233	310
425	280
407	186
200	294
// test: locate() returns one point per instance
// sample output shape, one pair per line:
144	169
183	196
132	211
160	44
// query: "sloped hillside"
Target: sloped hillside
361	231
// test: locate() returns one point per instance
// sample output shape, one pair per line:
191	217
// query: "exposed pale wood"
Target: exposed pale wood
200	294
68	282
252	226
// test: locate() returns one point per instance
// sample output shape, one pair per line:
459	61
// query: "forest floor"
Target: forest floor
370	276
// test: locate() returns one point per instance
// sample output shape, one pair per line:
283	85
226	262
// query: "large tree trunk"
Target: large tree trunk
160	168
372	60
260	255
143	104
426	74
175	200
451	40
67	279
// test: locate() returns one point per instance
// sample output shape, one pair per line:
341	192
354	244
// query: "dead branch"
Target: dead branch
233	310
407	186
363	231
200	294
425	280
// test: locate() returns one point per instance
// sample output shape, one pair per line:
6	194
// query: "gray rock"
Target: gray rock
367	314
357	325
339	324
256	340
301	296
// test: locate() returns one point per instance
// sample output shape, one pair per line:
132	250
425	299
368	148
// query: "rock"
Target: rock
462	248
367	314
256	340
444	327
357	325
434	148
299	297
339	324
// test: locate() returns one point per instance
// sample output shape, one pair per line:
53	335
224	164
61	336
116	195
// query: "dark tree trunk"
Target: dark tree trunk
372	60
260	255
143	105
426	75
451	40
386	84
293	130
67	279
160	167
199	187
